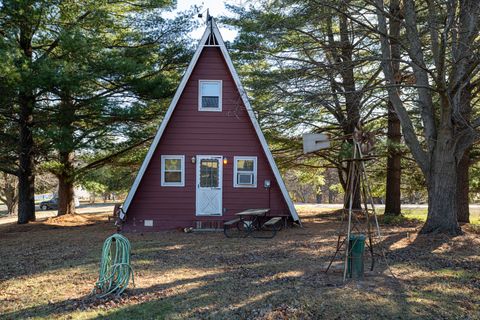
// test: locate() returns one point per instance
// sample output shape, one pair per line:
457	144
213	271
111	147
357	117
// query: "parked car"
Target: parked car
52	204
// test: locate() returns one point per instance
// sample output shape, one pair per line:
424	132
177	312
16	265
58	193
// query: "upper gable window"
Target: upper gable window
210	95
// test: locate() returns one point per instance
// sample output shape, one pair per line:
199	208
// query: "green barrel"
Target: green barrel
356	247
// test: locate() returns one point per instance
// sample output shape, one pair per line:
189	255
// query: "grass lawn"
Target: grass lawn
421	214
48	271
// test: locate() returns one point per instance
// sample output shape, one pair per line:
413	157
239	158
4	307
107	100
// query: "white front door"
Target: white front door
209	185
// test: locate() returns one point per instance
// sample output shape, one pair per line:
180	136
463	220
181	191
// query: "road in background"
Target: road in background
379	206
105	207
86	208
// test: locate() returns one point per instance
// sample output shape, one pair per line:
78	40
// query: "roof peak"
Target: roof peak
209	17
215	33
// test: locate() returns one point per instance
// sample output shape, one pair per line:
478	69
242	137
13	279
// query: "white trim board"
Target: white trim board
220	94
219	189
243	95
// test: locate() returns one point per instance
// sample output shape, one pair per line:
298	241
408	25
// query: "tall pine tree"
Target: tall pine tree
81	73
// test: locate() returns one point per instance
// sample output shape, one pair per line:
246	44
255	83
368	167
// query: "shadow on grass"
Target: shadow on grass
240	293
253	278
37	248
206	301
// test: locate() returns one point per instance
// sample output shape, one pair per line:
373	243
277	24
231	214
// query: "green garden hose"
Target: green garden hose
115	269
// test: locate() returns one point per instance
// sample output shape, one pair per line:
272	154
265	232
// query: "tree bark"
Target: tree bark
12	207
342	57
26	177
66	196
463	183
350	188
442	192
66	178
319	197
394	167
463	189
394	135
9	193
66	189
445	137
26	101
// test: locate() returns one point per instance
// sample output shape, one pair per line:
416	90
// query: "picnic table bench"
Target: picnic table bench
249	222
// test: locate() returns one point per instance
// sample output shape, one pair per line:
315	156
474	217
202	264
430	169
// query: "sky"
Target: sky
217	8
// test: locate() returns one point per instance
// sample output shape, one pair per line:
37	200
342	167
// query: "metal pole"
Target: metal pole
350	205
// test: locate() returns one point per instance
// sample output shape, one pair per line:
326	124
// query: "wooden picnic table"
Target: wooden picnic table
253	212
249	221
251	218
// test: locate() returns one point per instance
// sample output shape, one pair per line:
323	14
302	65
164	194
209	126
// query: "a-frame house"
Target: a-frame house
209	158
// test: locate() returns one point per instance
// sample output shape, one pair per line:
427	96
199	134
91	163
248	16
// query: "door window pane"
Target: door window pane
209	173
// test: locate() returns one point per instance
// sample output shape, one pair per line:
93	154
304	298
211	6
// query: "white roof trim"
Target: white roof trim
244	97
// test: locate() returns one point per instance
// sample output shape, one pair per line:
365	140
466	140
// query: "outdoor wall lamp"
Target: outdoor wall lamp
225	161
267	184
193	159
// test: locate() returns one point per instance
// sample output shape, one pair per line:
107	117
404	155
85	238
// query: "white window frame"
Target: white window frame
182	172
235	172
219	109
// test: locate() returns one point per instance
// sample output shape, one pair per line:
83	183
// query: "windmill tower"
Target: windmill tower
358	226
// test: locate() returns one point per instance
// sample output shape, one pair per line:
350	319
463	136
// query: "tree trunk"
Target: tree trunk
26	102
394	166
463	189
442	187
357	200
394	135
12	208
66	147
443	135
11	197
26	177
66	201
353	188
66	192
463	183
9	193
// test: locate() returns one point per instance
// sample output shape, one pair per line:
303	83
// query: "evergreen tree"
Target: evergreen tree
308	70
81	75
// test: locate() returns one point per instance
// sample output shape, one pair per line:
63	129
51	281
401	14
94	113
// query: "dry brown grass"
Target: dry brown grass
48	271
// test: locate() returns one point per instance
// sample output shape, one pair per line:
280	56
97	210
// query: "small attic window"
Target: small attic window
210	95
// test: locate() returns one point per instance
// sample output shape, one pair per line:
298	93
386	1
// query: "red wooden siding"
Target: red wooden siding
191	132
